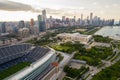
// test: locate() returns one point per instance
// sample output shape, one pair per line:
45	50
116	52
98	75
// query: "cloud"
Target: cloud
95	3
14	6
115	5
107	6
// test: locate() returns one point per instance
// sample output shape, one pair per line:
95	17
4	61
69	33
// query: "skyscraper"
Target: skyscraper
119	23
44	19
112	22
40	23
31	28
87	21
51	18
32	22
91	18
63	18
81	21
81	16
96	21
74	18
2	27
44	15
21	24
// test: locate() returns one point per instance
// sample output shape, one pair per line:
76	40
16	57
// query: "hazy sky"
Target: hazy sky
15	10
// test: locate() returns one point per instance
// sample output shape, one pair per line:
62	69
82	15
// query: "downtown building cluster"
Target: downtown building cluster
80	22
32	27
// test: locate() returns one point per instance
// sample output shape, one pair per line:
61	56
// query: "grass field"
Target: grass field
60	48
13	69
65	48
94	55
91	32
110	73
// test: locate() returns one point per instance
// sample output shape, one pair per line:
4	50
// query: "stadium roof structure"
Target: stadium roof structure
29	69
40	58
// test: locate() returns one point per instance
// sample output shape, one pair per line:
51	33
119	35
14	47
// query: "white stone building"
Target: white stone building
84	39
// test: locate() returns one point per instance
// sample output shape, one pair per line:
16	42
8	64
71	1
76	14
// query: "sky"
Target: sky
16	10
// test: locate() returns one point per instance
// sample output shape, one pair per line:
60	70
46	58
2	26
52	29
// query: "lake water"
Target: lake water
112	32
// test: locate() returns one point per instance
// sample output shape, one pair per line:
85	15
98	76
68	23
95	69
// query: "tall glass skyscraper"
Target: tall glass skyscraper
21	24
44	15
91	18
2	27
119	23
42	21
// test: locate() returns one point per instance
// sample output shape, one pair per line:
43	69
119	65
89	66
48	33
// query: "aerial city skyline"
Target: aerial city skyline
59	39
43	23
30	9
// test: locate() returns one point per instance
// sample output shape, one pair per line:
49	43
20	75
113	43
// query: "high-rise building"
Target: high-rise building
81	21
50	22
74	18
44	19
96	21
2	27
23	32
63	18
87	21
21	24
81	16
44	15
112	22
32	22
91	18
51	18
119	23
40	23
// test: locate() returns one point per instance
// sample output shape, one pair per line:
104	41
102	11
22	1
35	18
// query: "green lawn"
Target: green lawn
91	32
102	39
68	47
116	44
94	55
89	60
110	73
75	73
60	48
13	69
114	58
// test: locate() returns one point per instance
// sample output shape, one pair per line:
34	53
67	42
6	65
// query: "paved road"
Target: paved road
64	62
31	37
26	39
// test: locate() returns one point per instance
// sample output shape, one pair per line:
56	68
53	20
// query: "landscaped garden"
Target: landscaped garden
110	73
68	47
75	73
102	39
94	55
